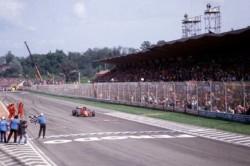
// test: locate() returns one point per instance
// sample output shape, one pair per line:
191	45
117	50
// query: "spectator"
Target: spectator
3	129
181	70
240	109
215	109
14	125
230	110
248	111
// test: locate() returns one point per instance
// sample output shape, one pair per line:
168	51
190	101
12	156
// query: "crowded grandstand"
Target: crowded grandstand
205	72
207	57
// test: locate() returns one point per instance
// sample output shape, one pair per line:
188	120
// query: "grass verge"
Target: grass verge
170	116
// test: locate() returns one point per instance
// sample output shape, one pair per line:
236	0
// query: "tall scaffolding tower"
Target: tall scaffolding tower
212	17
191	26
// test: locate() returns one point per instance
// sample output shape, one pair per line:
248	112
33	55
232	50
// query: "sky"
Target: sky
76	25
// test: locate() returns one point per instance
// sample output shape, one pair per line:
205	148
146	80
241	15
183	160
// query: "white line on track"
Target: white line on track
38	151
117	137
108	133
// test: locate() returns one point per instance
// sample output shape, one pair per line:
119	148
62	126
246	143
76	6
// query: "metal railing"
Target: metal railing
223	97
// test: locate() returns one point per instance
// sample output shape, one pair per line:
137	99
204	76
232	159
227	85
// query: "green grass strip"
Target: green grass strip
170	116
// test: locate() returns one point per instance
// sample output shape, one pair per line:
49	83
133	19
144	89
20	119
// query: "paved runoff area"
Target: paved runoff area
118	139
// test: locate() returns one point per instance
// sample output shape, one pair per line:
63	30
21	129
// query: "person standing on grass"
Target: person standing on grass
22	131
3	129
14	126
42	121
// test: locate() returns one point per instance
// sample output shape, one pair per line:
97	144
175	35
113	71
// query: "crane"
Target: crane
37	72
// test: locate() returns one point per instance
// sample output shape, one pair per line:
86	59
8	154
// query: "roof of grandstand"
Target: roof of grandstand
188	46
102	72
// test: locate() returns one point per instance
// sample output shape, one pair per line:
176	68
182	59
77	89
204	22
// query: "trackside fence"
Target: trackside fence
226	100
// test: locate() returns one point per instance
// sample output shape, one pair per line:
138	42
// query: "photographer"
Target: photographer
42	121
22	131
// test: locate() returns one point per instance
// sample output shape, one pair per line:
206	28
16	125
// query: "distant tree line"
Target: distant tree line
60	64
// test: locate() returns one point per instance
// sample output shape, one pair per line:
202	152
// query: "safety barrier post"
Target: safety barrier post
225	97
109	91
123	93
244	94
211	96
186	102
175	102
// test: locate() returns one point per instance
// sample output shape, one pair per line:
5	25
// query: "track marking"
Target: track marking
123	137
107	133
14	154
213	134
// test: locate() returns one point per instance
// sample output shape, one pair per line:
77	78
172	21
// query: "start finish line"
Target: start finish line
92	139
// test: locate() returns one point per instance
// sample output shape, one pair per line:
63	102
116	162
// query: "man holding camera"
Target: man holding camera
42	121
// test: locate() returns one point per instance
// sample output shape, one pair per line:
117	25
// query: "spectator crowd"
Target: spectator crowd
181	69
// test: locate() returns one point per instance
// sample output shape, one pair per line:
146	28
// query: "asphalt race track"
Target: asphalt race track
109	141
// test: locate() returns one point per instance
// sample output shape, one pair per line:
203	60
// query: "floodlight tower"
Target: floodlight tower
191	26
212	17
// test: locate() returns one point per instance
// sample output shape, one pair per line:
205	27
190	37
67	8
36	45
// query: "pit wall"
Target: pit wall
224	100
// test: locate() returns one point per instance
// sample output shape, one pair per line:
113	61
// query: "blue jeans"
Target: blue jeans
21	137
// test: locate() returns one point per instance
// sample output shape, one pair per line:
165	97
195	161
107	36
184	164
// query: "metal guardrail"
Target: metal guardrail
227	100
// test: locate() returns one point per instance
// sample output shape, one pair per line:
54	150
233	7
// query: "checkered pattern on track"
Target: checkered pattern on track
23	155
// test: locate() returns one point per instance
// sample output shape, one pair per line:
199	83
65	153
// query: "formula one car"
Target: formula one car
83	111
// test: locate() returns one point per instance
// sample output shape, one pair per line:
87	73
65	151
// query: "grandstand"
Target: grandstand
206	57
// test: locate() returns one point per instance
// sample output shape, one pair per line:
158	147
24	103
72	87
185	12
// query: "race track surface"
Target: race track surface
108	141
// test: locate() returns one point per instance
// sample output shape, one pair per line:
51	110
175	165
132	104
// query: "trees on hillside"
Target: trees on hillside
145	45
60	63
14	68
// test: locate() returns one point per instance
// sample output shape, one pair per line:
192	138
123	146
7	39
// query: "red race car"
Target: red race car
83	111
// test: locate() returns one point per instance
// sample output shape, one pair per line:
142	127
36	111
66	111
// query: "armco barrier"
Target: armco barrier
226	116
211	114
240	118
207	114
190	111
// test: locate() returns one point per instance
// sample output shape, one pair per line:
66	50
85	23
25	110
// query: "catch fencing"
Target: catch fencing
227	100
